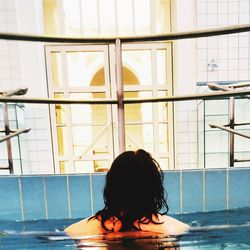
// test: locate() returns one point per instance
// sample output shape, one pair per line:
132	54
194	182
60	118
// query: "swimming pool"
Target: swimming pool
33	208
229	229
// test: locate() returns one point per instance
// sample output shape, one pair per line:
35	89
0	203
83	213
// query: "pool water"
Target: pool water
229	229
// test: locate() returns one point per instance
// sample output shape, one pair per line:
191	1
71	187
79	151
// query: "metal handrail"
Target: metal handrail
212	125
162	37
18	132
205	96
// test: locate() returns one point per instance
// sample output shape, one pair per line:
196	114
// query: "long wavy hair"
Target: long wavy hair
133	191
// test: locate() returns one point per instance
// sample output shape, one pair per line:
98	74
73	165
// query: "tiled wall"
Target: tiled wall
78	196
22	64
223	58
187	135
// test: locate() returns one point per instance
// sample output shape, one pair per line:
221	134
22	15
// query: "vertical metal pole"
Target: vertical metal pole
19	141
7	132
121	119
231	124
204	135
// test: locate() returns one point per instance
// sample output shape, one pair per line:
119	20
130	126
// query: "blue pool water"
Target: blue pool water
228	229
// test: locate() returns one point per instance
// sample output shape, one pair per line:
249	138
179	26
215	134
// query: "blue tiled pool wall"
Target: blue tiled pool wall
79	196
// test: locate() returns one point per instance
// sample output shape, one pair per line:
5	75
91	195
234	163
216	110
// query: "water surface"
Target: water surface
228	229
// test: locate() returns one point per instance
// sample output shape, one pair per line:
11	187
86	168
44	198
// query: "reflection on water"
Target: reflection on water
214	230
130	240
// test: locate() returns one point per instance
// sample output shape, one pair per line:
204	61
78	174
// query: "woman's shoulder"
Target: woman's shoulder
165	224
88	226
174	226
92	226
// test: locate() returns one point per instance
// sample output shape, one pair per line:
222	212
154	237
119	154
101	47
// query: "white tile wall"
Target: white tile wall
230	52
233	47
187	131
22	64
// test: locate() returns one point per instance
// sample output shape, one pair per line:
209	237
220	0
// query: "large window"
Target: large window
107	17
85	136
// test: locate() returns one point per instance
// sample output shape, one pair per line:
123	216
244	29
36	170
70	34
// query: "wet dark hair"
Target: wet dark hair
133	191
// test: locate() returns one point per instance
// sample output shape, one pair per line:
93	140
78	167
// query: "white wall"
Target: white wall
10	73
32	61
23	64
185	84
230	54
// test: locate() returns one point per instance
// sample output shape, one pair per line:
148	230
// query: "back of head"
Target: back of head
133	190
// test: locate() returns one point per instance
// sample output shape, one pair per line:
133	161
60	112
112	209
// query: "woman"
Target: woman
134	200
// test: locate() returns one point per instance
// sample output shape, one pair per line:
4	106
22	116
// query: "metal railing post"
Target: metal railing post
231	125
120	96
7	133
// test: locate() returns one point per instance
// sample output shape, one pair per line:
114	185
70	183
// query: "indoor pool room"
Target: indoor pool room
125	124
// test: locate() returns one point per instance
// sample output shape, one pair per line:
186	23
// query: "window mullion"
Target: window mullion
68	112
155	105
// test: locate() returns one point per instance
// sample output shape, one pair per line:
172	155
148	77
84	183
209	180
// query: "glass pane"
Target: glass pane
242	113
142	60
20	116
242	156
12	125
107	17
221	139
89	140
51	16
15	147
215	119
62	140
139	136
57	72
88	113
129	77
163	138
124	18
11	112
82	138
1	112
161	67
163	107
71	16
101	165
64	167
164	163
60	111
80	68
242	144
3	149
84	167
142	16
219	160
89	17
162	8
138	112
217	107
60	114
